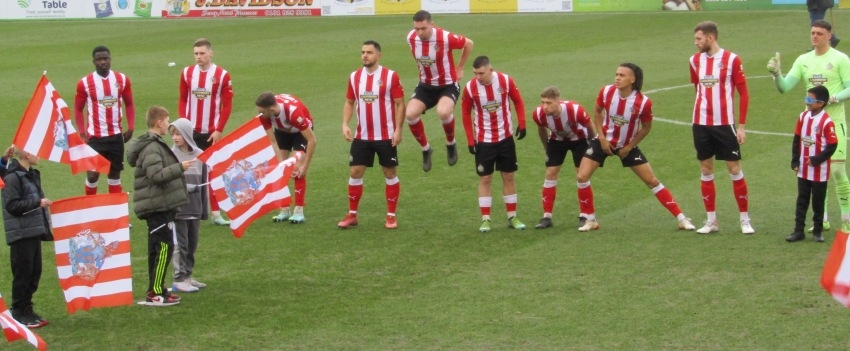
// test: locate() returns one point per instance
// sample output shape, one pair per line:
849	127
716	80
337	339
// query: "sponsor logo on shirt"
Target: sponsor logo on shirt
619	120
808	140
108	101
492	106
201	93
818	79
368	96
426	61
709	81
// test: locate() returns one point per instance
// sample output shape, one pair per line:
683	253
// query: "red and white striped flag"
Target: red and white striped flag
46	130
836	271
246	177
13	330
92	240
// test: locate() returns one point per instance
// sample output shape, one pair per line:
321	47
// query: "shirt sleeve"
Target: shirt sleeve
267	124
184	95
646	113
456	41
397	90
129	105
80	101
739	79
226	102
519	105
466	116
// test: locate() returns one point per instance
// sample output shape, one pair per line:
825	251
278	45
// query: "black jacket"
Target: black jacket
23	218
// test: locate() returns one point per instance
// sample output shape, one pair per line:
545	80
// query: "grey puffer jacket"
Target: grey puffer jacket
23	216
158	185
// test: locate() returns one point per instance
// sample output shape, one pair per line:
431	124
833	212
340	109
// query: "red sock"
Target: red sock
418	131
392	192
213	201
354	193
300	190
585	200
510	206
666	198
739	187
708	195
91	191
549	199
449	128
114	189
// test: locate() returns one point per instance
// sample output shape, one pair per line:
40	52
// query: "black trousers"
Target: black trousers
25	255
160	250
814	192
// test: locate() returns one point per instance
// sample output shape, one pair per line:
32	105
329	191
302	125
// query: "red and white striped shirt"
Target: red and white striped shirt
815	132
568	125
492	105
294	116
622	115
373	94
103	98
434	56
206	97
715	79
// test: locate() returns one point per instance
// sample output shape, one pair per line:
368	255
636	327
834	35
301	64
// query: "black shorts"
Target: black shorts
201	140
111	148
363	153
290	141
430	95
500	156
720	142
634	158
556	151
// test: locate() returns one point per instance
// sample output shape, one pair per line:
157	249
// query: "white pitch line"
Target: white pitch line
672	121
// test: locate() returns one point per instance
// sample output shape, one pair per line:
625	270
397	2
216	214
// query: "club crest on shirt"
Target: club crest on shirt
108	101
500	91
492	106
709	81
816	130
60	135
829	66
817	79
87	252
242	181
201	93
380	82
426	61
368	96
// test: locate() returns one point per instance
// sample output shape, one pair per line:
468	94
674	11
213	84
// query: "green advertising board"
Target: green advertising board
710	5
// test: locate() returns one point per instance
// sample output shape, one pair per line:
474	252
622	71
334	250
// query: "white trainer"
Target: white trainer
746	228
709	227
195	283
590	224
686	224
183	286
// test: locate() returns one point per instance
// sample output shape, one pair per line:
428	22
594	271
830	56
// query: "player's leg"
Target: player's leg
284	143
704	146
644	171
91	182
838	176
588	165
485	161
421	100
445	106
388	159
361	157
556	152
506	164
116	163
92	177
739	188
299	144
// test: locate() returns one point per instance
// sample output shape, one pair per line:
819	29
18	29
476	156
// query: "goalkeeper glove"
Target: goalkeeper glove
774	66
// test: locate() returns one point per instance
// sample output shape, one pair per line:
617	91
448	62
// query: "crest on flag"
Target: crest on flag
60	135
242	181
86	251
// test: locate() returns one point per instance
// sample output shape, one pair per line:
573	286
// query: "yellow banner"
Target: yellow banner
493	6
396	7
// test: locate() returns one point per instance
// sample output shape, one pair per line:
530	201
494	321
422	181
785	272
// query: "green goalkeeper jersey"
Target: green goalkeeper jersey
831	70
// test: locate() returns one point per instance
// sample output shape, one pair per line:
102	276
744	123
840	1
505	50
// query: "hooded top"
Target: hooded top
196	174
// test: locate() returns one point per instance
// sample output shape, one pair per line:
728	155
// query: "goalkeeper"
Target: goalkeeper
828	67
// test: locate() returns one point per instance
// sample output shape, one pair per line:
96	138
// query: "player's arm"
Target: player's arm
226	109
399	119
347	112
464	55
397	94
80	100
831	145
267	125
519	106
740	81
788	81
183	101
844	73
643	130
543	133
466	117
130	108
598	118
